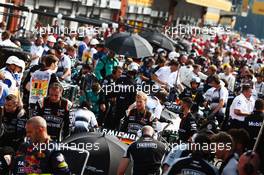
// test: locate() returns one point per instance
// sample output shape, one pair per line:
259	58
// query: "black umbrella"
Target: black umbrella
6	52
25	44
129	44
105	152
183	44
158	39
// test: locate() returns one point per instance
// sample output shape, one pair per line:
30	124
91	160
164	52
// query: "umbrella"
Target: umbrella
245	44
158	39
129	44
183	44
6	52
105	152
25	44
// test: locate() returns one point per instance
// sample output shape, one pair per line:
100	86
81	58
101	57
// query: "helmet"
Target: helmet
173	55
94	42
12	60
21	63
52	39
196	80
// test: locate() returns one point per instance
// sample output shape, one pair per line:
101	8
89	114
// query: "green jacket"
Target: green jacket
105	63
93	98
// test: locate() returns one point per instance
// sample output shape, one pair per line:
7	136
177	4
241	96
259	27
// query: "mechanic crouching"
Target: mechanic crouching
217	98
13	122
188	124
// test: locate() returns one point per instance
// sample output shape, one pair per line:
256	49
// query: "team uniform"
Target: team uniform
83	120
4	168
192	165
244	105
30	160
13	128
147	155
213	96
125	96
253	124
196	95
57	116
187	128
179	151
136	120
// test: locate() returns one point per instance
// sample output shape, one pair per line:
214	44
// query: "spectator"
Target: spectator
12	65
225	153
93	98
51	40
241	140
159	64
196	72
2	29
64	65
87	78
259	86
228	76
194	93
167	76
4	92
249	164
185	70
83	46
146	71
101	52
126	95
6	40
210	73
42	78
106	65
36	51
108	103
